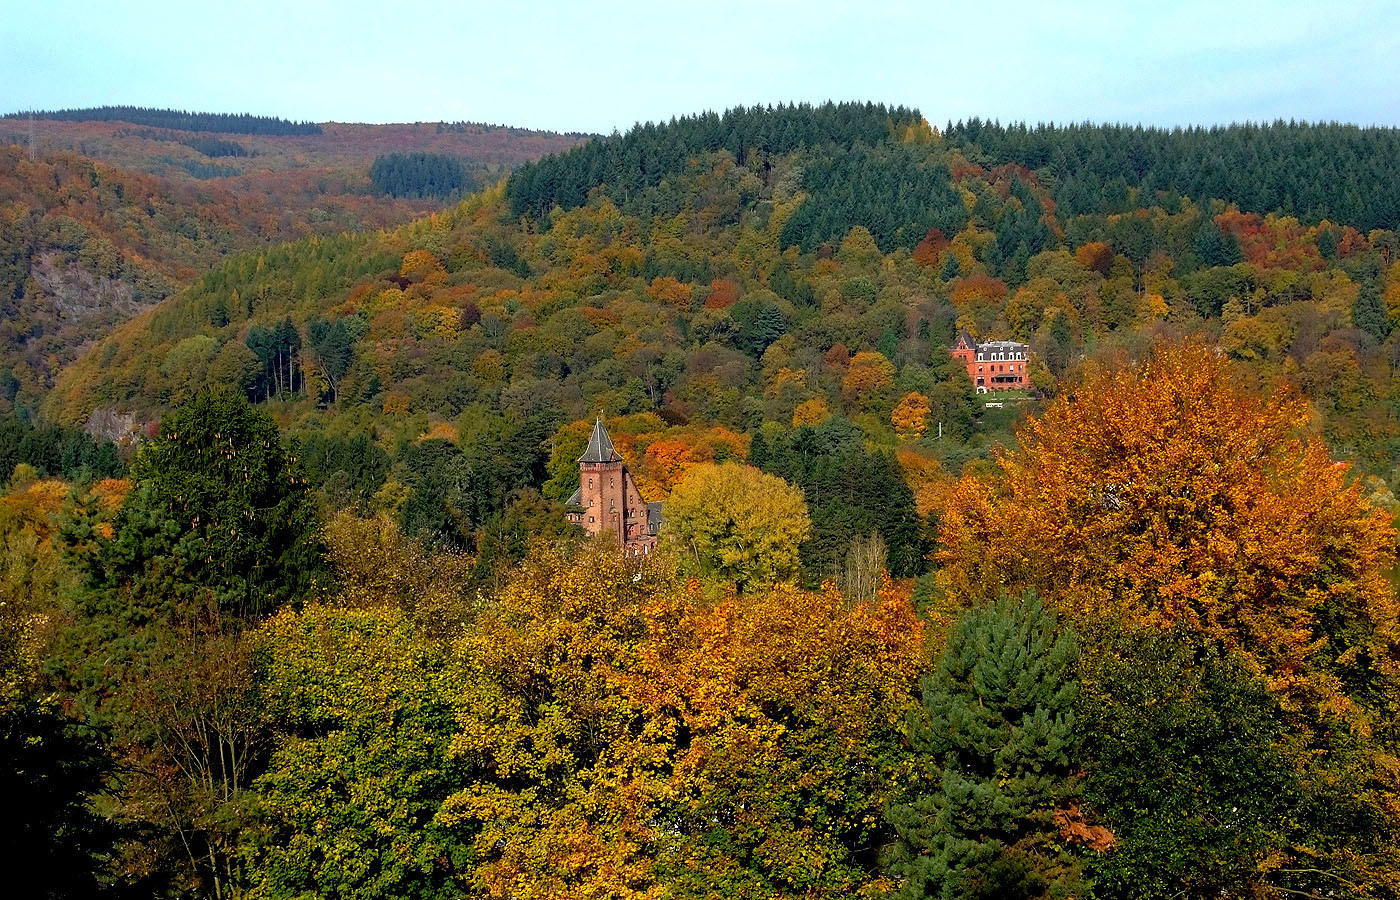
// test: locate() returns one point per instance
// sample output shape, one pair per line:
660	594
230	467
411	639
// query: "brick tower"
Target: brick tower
607	499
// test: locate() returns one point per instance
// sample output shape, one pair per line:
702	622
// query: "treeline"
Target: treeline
179	120
1343	173
647	154
55	451
421	175
463	127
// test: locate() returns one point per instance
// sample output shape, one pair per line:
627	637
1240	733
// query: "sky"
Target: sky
600	66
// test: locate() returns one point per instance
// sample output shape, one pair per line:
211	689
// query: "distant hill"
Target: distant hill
319	155
111	210
239	123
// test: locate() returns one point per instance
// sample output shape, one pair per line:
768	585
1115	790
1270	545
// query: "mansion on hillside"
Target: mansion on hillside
995	365
608	499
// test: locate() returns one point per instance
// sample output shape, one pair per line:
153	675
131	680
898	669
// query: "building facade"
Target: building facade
995	365
607	500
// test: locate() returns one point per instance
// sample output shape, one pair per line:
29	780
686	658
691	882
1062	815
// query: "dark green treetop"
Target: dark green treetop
219	505
995	740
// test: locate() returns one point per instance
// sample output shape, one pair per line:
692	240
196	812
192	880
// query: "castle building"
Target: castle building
607	499
995	365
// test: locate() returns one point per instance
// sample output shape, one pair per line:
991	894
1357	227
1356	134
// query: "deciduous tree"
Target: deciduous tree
731	522
1166	493
910	416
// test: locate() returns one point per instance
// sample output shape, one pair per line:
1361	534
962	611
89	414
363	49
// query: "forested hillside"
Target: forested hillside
87	244
1133	635
822	276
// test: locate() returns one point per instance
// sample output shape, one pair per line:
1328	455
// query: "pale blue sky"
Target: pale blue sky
598	66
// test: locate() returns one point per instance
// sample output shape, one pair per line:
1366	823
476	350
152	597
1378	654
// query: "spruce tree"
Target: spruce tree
219	507
1369	313
994	740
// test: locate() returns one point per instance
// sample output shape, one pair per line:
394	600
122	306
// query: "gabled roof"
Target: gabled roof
600	447
965	340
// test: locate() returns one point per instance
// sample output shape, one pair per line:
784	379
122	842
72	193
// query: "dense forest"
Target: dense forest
315	625
1314	172
420	175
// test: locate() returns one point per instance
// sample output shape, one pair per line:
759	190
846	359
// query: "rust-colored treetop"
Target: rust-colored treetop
1166	493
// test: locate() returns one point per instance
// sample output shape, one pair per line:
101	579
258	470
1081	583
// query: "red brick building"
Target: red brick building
995	365
607	499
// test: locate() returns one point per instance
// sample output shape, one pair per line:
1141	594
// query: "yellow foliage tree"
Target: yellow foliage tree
632	739
376	565
810	412
421	265
396	403
567	797
868	376
734	523
926	478
910	416
32	577
489	365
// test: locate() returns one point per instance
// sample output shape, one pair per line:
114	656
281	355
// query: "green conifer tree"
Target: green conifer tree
995	742
1369	312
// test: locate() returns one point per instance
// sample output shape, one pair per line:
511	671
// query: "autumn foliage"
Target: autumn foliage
1167	494
634	739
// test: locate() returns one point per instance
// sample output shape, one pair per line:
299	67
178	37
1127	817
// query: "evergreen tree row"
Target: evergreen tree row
180	120
850	491
214	147
898	193
1344	173
55	450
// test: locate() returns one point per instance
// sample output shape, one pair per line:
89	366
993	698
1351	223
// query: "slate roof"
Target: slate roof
600	447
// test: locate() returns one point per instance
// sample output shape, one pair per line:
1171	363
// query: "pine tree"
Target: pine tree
1369	313
995	740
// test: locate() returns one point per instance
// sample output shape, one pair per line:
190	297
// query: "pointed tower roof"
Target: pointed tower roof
600	446
965	340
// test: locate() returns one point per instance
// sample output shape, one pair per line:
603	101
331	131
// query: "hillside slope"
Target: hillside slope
127	214
766	269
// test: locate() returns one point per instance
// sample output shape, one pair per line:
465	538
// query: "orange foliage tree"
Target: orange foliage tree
631	738
868	377
669	290
978	289
927	251
1167	494
810	412
724	293
1095	256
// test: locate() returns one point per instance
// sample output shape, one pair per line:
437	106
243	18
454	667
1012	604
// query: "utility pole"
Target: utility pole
31	136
